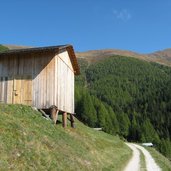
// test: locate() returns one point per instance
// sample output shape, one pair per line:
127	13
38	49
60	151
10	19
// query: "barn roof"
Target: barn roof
54	49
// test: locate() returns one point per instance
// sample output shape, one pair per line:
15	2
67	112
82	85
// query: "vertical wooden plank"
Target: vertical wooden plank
15	65
48	83
33	80
64	86
73	94
26	64
41	81
52	81
27	90
5	67
17	91
43	88
56	81
69	90
36	82
2	88
9	90
21	61
59	85
11	66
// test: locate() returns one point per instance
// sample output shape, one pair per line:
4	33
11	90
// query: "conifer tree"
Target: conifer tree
88	111
124	124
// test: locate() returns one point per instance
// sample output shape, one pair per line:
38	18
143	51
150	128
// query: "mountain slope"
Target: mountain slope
30	142
162	57
129	97
11	47
96	55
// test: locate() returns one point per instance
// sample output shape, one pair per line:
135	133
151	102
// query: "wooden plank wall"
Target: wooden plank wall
43	81
53	79
65	82
40	67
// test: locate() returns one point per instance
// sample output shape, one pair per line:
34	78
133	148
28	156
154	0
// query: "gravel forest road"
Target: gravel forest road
134	163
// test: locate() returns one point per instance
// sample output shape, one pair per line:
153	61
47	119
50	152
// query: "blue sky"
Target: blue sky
139	25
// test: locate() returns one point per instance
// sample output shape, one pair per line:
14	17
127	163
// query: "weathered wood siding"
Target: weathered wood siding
40	68
64	82
43	83
52	80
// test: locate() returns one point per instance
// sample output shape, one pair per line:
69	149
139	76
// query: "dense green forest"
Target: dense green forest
128	97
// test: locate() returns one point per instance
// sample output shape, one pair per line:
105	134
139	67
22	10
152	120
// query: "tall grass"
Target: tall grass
30	142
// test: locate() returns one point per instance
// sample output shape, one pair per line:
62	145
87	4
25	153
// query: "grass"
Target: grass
142	161
162	161
30	142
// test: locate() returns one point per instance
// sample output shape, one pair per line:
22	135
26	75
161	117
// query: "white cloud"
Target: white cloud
123	15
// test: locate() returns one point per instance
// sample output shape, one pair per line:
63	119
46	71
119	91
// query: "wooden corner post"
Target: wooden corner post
64	119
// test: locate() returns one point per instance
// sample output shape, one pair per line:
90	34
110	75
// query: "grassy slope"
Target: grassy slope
30	142
142	162
162	161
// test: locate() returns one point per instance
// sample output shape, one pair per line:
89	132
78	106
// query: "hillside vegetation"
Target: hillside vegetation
129	97
30	142
3	48
162	161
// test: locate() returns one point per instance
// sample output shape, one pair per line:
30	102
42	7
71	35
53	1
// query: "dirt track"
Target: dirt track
134	163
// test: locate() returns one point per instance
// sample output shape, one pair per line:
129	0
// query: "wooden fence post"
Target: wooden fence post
64	119
72	121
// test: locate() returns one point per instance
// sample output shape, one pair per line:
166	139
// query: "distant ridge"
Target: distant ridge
162	57
95	55
16	46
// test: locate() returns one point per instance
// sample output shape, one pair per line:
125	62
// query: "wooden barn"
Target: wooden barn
39	77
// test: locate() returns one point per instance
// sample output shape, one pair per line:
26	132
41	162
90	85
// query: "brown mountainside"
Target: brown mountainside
17	47
162	57
95	55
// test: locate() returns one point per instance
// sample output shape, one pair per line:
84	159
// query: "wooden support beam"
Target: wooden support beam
57	111
64	119
54	113
72	121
